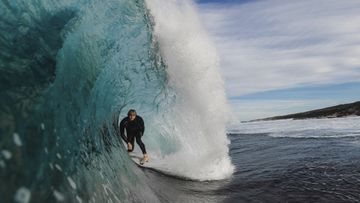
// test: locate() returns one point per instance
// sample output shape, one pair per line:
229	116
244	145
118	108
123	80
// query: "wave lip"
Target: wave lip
197	118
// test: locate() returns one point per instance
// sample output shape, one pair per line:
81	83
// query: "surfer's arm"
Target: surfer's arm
141	125
122	126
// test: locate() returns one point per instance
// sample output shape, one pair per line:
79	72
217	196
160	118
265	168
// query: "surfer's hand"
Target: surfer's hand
129	146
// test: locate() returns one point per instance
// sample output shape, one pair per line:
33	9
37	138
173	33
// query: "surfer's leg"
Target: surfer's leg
142	146
130	140
140	143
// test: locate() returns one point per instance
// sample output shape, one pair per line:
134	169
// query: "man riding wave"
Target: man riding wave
134	125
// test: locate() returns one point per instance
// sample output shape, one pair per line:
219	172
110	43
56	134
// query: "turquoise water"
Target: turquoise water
67	67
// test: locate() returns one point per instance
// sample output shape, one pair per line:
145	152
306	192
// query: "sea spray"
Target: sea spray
198	117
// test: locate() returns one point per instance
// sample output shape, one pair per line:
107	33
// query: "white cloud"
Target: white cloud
266	45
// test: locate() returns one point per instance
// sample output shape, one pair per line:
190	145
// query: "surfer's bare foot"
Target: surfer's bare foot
129	147
146	158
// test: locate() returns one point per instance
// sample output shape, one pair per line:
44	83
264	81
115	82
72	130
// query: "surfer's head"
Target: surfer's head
132	114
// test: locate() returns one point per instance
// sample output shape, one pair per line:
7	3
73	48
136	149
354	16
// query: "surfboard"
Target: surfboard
155	164
137	158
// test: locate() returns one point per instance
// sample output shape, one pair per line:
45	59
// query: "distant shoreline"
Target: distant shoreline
342	110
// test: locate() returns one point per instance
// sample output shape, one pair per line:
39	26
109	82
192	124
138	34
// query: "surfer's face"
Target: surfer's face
132	116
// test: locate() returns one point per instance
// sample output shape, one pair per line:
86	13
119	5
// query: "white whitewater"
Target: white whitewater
198	118
308	128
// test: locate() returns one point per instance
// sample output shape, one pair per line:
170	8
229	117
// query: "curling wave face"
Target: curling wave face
67	68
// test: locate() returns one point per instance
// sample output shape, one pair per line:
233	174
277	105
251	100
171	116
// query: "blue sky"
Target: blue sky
280	57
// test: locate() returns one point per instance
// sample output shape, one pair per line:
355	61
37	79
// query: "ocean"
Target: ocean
70	68
314	160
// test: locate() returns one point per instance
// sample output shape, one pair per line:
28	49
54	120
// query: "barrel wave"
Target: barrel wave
70	68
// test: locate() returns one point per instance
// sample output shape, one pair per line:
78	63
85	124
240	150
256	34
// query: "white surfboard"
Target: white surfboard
153	161
137	158
155	164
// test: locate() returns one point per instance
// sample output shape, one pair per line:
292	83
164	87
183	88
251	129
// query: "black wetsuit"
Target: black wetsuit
134	129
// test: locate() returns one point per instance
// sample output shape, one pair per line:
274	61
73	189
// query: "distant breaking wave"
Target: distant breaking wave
69	67
324	128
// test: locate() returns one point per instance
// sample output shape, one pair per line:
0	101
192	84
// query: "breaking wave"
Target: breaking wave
68	68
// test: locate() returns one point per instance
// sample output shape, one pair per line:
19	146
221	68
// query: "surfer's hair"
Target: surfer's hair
131	111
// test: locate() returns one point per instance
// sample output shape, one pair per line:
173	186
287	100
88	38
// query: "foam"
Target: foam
309	128
22	195
197	119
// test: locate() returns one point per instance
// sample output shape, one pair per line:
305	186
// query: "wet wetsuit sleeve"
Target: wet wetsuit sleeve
141	125
122	126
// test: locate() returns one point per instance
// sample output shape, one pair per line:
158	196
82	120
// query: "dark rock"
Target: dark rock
343	110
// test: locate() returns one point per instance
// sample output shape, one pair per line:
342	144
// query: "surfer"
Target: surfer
135	128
